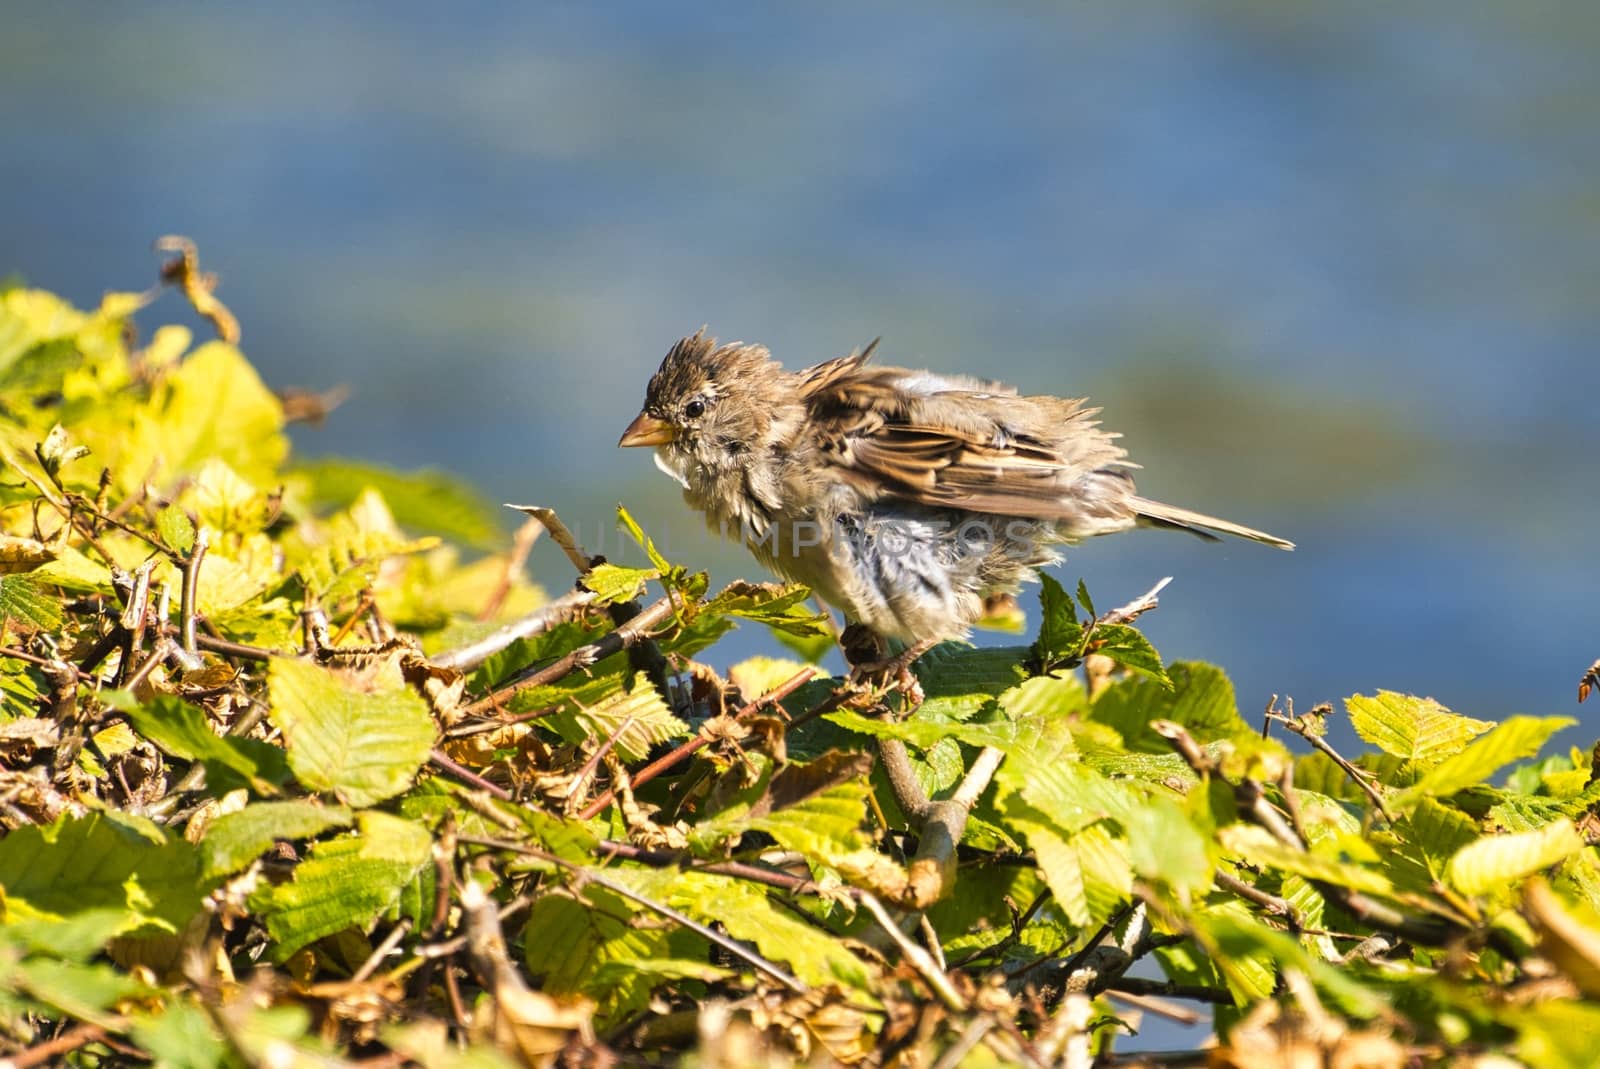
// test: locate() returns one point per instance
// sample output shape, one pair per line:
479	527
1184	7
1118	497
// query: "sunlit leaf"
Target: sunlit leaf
361	746
1419	729
347	882
235	839
1496	862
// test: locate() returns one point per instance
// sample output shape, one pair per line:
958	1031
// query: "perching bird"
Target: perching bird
901	497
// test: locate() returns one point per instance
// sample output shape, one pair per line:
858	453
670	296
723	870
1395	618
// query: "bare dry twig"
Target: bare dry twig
466	658
1301	726
627	635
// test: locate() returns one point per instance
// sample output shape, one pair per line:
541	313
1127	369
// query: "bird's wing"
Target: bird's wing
957	442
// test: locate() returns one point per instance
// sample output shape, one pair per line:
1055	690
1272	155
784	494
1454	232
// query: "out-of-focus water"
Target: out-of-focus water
1331	267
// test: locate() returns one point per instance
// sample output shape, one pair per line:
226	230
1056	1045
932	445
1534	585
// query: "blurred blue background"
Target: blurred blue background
1330	267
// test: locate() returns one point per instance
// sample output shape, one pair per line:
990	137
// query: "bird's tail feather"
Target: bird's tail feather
1156	514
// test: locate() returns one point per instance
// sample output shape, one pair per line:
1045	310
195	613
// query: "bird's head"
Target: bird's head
709	405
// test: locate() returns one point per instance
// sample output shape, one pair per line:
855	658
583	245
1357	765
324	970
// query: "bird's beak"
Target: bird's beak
647	430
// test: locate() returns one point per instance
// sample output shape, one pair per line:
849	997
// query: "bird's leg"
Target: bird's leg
881	667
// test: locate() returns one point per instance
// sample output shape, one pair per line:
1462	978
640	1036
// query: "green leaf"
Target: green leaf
1128	647
76	937
347	882
1418	729
594	946
959	681
235	839
1496	862
1060	633
182	1036
1512	740
614	583
1200	698
639	719
41	368
1045	698
362	746
781	608
562	939
749	915
87	992
812	649
1060	807
629	524
826	829
427	502
181	729
100	862
177	530
1438	831
1086	601
1166	847
213	406
926	731
1258	847
24	600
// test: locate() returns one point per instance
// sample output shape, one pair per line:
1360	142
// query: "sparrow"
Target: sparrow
903	498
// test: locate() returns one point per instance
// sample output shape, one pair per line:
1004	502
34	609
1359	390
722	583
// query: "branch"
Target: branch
191	585
1137	985
678	754
1135	608
1300	725
624	637
466	658
521	545
1251	797
917	957
50	1050
586	875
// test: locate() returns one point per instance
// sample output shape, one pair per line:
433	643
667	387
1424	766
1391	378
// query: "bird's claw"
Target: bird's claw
890	675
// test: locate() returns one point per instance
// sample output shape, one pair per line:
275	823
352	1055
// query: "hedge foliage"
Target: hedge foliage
298	768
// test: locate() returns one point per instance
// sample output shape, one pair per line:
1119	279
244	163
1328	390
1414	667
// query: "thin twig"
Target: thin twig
978	777
466	658
137	614
1136	985
1301	726
521	544
739	870
238	649
390	941
191	584
630	633
1135	608
737	949
29	658
558	534
1159	1006
971	1036
680	753
467	776
52	1049
919	959
575	789
158	656
1250	892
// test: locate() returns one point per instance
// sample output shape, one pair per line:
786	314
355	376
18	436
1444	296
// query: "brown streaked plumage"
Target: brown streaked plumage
902	497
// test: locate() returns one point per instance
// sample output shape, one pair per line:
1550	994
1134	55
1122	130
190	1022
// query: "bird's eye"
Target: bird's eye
695	409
